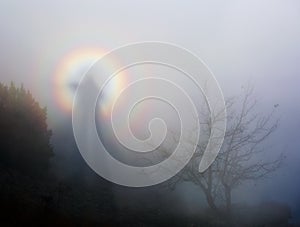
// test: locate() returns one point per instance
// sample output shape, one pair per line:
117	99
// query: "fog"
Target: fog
47	47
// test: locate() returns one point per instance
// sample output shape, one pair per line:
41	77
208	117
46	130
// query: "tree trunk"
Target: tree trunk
228	199
210	201
208	192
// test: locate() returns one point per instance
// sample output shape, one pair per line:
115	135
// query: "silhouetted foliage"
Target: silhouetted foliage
25	138
85	199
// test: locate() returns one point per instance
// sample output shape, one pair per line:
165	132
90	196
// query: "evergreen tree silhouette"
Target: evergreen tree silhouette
24	136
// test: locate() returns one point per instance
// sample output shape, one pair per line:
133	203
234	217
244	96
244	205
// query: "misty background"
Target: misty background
242	42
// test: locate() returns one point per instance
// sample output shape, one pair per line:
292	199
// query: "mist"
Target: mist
48	47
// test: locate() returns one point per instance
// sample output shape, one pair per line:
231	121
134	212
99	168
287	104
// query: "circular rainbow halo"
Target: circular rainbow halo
69	72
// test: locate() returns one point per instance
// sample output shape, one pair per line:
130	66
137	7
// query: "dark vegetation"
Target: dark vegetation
31	194
25	144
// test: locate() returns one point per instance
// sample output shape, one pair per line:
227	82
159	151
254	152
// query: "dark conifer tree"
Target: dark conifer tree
24	136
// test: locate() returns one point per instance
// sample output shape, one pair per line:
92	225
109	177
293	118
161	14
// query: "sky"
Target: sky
48	45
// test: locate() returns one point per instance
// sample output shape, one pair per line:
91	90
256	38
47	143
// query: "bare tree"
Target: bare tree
241	156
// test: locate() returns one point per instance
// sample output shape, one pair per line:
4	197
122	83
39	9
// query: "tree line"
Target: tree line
26	153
